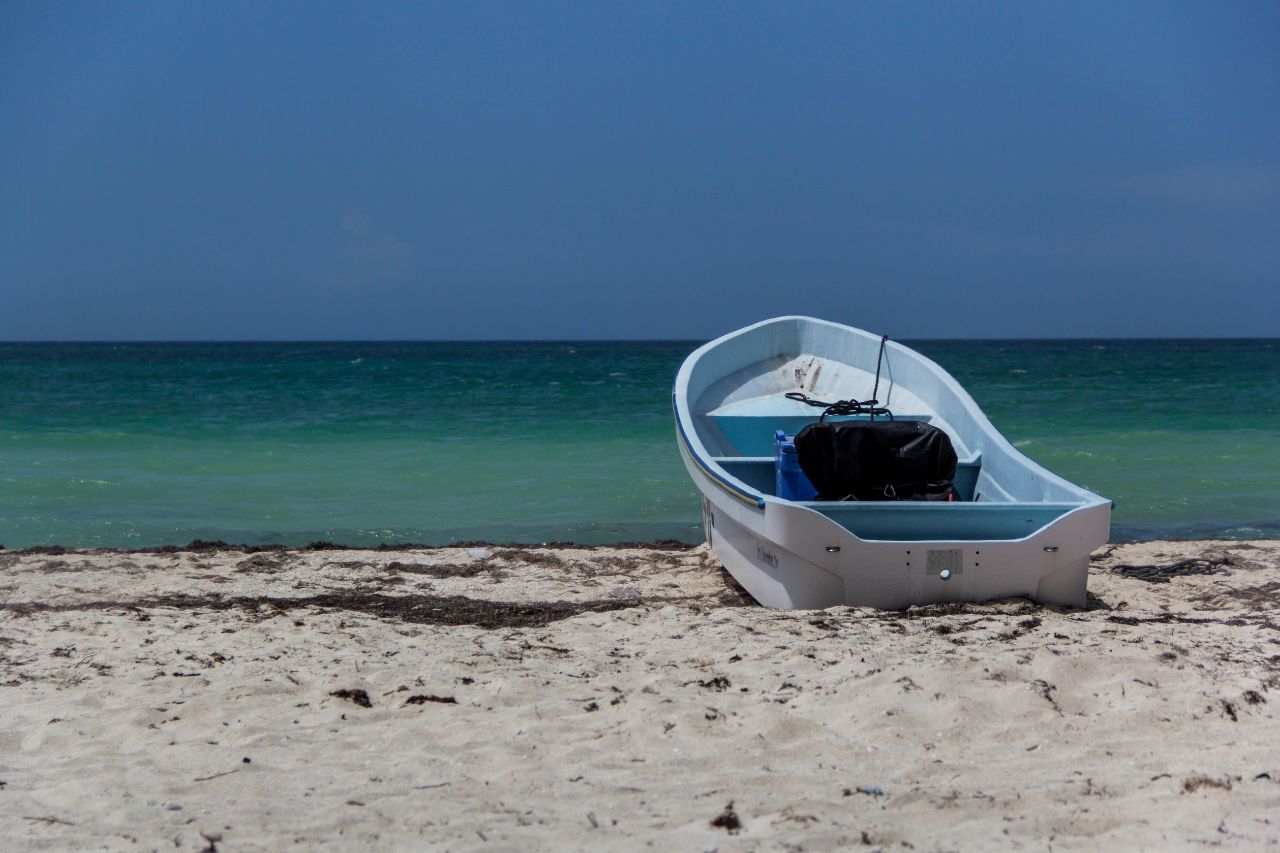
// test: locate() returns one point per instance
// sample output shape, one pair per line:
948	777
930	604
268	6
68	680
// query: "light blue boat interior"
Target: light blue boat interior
735	400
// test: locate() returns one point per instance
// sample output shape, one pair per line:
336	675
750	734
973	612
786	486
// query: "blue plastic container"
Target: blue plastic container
791	481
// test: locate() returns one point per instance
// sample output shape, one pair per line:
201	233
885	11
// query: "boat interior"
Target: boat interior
1002	495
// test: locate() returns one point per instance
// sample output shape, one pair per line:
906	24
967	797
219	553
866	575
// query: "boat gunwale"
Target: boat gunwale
723	479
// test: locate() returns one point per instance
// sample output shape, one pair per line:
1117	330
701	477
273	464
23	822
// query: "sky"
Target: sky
476	170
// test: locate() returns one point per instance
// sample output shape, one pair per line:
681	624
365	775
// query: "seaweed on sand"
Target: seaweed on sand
417	609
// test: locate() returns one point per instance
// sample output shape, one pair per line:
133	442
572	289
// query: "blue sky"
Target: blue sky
277	170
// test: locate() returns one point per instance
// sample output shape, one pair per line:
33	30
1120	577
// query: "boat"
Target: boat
1006	527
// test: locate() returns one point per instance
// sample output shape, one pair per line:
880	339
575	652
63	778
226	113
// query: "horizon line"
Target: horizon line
130	341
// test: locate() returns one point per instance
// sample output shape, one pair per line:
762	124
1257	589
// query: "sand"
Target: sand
626	698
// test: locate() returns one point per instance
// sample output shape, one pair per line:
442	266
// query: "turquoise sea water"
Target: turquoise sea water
135	445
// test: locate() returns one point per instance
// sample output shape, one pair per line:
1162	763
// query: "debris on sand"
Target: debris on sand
728	820
359	697
1194	783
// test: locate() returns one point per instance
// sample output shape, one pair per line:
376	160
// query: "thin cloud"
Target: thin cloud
372	256
1222	186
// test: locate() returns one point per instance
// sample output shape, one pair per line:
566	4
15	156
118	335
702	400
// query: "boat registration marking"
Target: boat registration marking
764	555
950	559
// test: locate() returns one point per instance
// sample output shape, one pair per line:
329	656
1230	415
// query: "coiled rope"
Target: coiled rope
870	407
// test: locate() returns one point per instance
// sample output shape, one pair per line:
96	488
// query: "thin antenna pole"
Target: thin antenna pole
875	391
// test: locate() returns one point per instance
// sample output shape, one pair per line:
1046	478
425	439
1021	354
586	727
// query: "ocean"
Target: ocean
139	445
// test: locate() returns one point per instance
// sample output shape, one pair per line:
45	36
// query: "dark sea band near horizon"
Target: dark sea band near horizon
135	445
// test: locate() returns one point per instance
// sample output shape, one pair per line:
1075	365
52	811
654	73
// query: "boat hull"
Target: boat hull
790	557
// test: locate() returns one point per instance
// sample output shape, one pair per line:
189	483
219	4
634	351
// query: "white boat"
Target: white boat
1015	530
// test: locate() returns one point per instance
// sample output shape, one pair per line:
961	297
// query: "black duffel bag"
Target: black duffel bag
878	461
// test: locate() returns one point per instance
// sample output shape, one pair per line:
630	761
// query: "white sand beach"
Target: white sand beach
626	698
